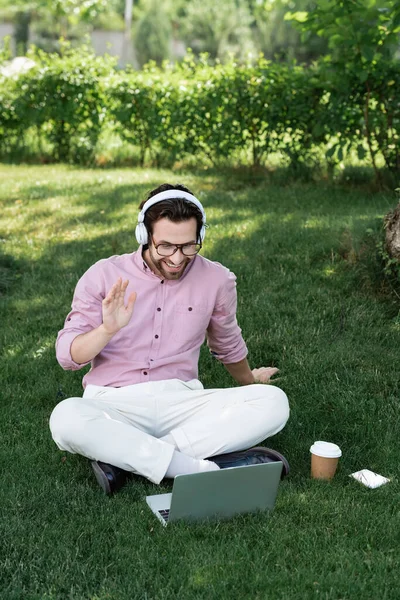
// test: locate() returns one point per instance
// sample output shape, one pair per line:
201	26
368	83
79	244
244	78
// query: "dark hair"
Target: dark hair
175	209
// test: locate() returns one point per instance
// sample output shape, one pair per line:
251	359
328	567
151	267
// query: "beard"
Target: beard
159	264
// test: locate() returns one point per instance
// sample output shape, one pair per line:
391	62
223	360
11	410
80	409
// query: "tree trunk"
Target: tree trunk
392	226
21	31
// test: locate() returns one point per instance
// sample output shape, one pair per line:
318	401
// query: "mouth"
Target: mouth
173	268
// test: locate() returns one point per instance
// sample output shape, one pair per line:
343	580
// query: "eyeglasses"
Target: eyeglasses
170	249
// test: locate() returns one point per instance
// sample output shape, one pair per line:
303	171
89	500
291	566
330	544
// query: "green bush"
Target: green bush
197	110
63	97
205	103
384	112
11	125
141	105
263	108
361	74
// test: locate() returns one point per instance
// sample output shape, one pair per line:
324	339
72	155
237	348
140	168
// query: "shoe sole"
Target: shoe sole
273	454
101	478
278	456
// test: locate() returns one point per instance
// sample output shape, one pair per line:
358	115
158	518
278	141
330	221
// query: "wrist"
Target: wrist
105	333
248	380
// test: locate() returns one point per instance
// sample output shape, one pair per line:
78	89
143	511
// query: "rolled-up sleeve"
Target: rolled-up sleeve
85	315
224	336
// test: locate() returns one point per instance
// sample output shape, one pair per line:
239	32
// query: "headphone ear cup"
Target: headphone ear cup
141	233
202	233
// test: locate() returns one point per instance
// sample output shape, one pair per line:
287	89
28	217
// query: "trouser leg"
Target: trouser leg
95	429
122	426
205	423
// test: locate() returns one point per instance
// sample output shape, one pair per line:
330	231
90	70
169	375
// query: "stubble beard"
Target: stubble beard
157	264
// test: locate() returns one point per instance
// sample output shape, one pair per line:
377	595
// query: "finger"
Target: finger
120	291
264	377
113	292
131	301
120	295
124	285
118	285
110	294
269	375
264	374
268	370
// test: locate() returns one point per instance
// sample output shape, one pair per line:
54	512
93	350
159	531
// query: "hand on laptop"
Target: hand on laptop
264	374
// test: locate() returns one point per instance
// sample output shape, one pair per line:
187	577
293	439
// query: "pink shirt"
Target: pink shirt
170	321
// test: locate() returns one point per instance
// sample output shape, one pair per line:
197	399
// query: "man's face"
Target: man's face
167	232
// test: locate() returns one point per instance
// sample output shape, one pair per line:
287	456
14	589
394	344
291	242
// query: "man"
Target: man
140	320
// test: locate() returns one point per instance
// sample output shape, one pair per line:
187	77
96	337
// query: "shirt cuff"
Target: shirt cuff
235	356
63	352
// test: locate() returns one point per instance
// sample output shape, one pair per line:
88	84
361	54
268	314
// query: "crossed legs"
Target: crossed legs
137	428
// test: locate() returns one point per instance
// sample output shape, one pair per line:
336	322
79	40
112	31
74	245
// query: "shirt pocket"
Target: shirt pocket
190	323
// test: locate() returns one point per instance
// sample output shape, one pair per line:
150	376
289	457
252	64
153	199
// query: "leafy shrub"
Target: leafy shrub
198	110
360	72
263	107
205	104
63	97
11	126
142	106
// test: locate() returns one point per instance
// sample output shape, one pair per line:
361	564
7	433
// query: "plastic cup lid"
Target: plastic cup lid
326	449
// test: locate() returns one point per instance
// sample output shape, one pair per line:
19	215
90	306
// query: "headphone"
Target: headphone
141	231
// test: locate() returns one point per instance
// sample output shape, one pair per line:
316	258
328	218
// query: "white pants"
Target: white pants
122	426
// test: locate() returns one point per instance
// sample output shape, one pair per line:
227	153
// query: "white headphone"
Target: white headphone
141	231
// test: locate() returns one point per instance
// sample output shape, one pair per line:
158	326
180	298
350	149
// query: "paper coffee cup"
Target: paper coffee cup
324	459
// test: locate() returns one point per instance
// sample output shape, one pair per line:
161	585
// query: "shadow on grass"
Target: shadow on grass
10	271
117	203
300	308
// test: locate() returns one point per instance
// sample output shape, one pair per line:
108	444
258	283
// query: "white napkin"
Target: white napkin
369	478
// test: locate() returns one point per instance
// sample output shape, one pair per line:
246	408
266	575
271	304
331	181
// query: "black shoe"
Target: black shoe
253	456
110	478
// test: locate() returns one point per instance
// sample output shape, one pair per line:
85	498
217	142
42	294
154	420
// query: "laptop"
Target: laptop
219	494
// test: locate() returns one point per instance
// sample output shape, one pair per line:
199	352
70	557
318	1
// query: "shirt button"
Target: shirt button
152	360
162	281
158	309
144	372
156	336
190	308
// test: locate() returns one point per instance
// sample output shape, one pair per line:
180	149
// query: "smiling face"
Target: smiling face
168	232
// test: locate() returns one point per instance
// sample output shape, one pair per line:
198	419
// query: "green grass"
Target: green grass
310	302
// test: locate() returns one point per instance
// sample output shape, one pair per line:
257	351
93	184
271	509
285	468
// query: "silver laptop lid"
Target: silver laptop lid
226	492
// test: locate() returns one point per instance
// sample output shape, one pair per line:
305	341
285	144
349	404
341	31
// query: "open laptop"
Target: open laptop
219	494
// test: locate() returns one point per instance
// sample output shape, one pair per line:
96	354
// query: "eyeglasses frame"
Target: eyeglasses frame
177	246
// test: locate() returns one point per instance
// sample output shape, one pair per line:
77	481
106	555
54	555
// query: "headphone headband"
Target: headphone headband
141	231
169	195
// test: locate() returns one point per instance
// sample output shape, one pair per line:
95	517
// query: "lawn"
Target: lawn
311	302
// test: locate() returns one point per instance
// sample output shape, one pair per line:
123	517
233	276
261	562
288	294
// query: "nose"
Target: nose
177	257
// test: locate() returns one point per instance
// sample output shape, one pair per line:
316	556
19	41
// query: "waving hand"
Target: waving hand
115	314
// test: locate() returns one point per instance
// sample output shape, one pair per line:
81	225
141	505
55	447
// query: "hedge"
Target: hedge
198	109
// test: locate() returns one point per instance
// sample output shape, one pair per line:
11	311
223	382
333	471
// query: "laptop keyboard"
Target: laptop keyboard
164	514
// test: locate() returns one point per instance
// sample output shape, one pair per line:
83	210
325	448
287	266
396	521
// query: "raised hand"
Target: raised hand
115	314
264	374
